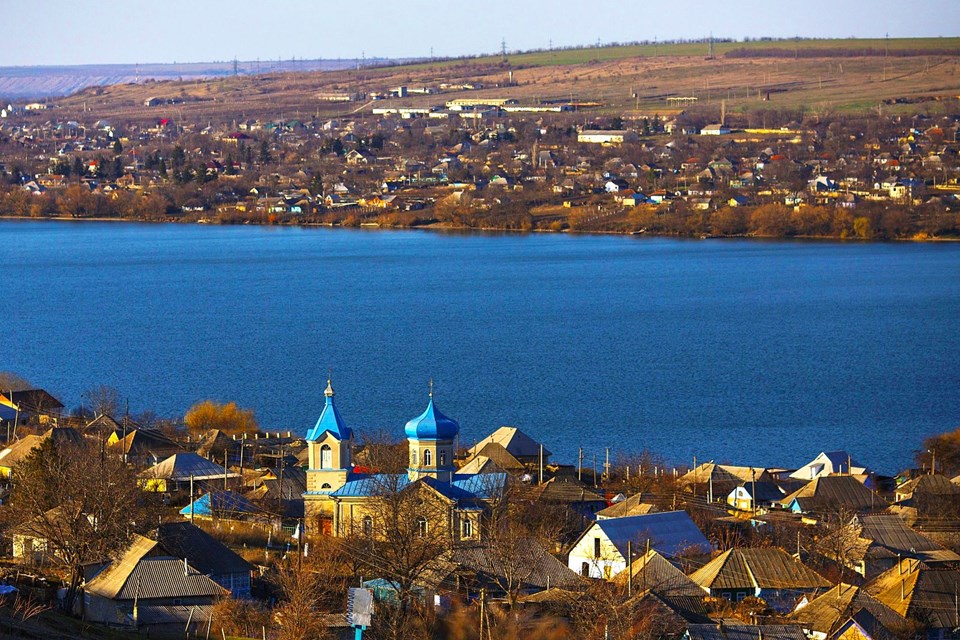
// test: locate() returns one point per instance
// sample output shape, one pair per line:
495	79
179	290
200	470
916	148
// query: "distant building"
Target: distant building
617	136
715	130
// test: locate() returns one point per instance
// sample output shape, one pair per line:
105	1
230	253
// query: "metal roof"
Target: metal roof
329	421
654	572
222	503
671	532
832	492
757	568
831	609
744	632
204	552
181	466
515	441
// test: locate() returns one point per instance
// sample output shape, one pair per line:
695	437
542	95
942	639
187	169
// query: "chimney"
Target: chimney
186	570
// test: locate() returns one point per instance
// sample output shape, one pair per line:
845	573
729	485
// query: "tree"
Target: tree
945	447
103	399
84	502
117	147
301	588
228	418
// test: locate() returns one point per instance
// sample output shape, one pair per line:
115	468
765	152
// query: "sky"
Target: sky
57	32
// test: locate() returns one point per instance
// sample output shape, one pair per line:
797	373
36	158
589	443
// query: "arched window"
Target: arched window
467	527
367	526
326	457
426	457
441	458
421	526
325	485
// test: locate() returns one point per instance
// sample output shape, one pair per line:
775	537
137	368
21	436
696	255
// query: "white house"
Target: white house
618	136
715	130
828	463
601	551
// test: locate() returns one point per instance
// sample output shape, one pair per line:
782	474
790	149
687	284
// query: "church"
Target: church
344	502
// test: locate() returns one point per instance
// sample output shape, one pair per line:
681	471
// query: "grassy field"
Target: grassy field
625	79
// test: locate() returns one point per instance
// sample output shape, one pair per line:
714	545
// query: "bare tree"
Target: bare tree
104	400
82	501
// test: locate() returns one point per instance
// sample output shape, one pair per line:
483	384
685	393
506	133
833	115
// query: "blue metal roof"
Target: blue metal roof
329	420
669	532
432	425
472	487
219	501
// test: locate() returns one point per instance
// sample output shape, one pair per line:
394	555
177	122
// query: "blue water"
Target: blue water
751	352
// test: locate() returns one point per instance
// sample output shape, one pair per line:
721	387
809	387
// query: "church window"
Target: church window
467	528
426	457
421	526
326	485
326	457
367	525
441	457
414	457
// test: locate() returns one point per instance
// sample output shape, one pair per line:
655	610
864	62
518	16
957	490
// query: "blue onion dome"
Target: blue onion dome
330	420
432	425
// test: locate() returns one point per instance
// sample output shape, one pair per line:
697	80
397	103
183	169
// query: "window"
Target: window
426	457
596	547
367	526
325	485
441	458
326	457
585	569
467	526
413	455
421	526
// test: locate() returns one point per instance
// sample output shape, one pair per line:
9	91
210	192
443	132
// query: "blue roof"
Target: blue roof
329	420
432	425
669	532
470	487
219	501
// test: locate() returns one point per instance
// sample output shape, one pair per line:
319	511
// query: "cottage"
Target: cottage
768	573
827	463
602	550
833	493
176	473
207	555
824	615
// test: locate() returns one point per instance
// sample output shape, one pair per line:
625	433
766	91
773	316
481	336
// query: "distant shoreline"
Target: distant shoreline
440	227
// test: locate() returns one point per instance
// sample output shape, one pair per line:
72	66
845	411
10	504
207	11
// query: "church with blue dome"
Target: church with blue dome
345	502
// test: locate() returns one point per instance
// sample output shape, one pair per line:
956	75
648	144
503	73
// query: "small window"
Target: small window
596	547
421	526
585	569
467	528
426	457
441	458
367	526
414	457
326	457
326	485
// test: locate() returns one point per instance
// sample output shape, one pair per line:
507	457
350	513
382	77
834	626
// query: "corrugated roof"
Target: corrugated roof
833	492
925	594
221	503
744	632
203	551
532	563
165	577
889	531
109	582
516	442
671	532
653	572
182	466
829	611
763	568
495	452
632	506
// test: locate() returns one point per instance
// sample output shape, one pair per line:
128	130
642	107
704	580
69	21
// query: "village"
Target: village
209	526
470	156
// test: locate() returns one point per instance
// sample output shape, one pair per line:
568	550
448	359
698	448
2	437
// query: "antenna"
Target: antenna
503	48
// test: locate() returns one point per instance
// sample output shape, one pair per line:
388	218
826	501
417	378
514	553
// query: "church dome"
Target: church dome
432	425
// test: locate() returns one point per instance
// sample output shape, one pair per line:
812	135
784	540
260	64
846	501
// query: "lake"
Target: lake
742	351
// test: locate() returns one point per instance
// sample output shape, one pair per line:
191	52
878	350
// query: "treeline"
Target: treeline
780	221
835	52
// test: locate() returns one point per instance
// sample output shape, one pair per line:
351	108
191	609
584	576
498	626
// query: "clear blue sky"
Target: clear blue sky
47	32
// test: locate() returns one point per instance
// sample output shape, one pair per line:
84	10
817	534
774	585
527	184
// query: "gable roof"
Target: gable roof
890	533
204	552
220	503
671	532
181	466
829	462
651	571
496	452
566	490
923	593
534	565
632	506
15	453
831	609
516	442
757	568
831	492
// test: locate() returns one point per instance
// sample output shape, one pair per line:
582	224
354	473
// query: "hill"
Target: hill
808	75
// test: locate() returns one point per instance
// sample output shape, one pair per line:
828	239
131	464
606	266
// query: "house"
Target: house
176	473
828	463
916	591
833	493
517	443
722	631
613	137
715	130
716	480
207	555
579	499
147	589
143	446
13	455
755	495
768	573
632	506
223	505
495	454
33	404
884	539
826	614
653	572
602	550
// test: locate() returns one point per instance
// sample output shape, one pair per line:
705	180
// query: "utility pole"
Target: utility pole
541	463
629	568
580	465
191	499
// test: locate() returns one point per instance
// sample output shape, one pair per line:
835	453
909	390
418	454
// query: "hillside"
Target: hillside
823	75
